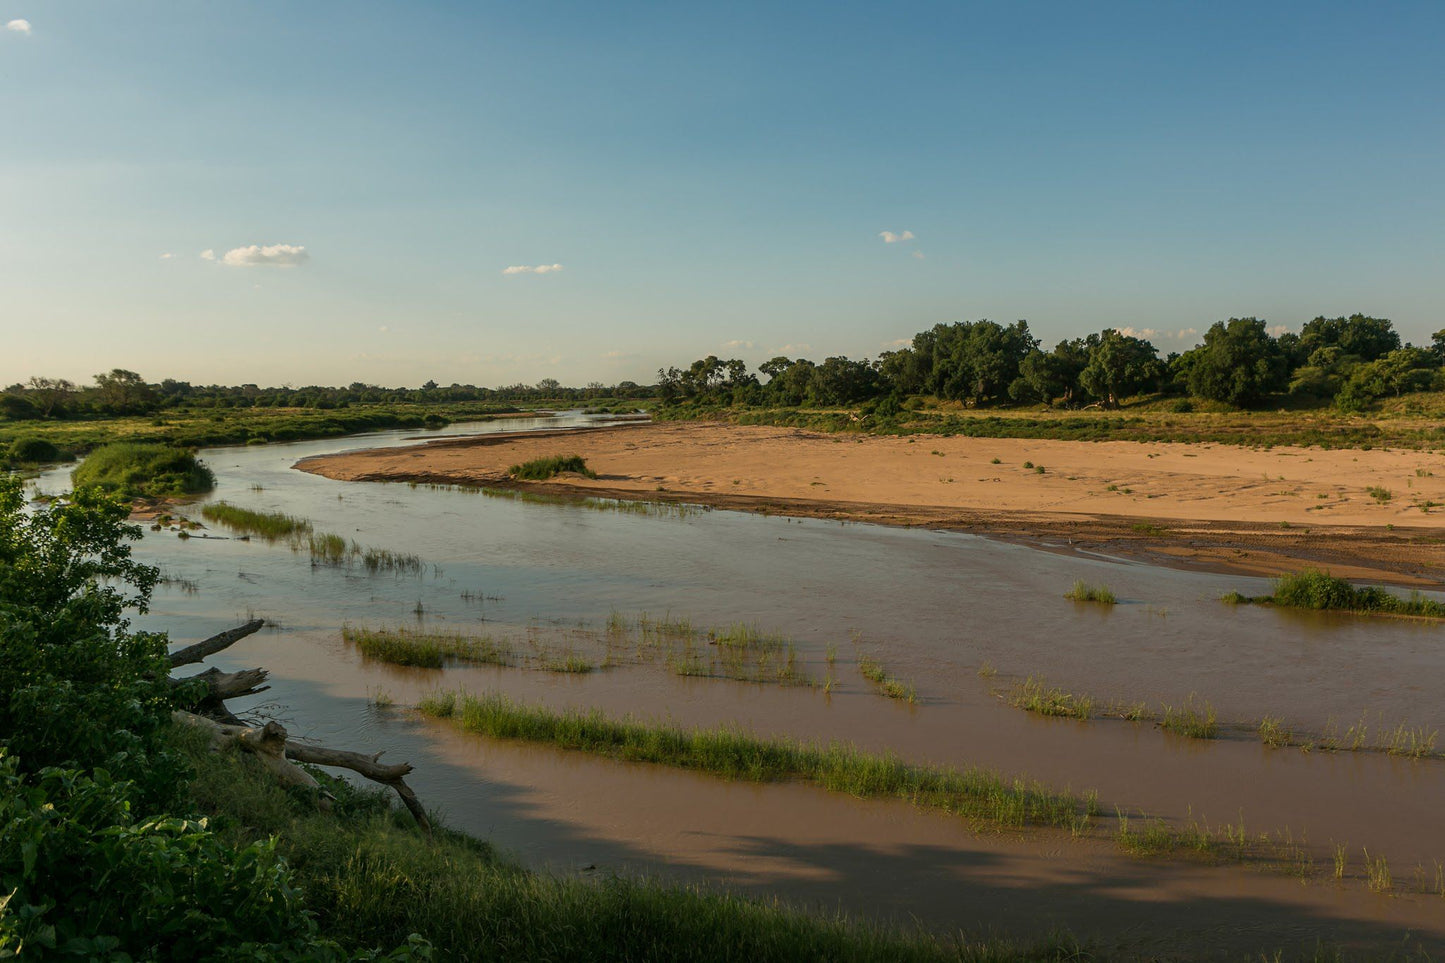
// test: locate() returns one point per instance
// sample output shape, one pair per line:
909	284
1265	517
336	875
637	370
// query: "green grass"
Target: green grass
732	753
1315	589
138	470
373	881
1033	695
1192	718
271	526
1084	592
430	650
540	469
888	685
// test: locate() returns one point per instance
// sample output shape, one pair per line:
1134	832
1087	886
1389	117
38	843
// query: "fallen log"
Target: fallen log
279	754
222	640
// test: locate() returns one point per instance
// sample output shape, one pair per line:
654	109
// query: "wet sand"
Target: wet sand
1212	506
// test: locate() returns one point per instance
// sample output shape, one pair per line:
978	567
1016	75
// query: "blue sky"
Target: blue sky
711	179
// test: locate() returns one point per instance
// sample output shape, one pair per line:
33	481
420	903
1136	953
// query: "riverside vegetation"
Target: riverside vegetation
1315	589
99	785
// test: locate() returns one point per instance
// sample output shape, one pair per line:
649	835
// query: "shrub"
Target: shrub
540	469
137	469
36	451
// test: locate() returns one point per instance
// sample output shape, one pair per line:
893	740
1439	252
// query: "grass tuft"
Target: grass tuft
1084	592
540	469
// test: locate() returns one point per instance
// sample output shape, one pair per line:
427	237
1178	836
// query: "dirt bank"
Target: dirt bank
1364	514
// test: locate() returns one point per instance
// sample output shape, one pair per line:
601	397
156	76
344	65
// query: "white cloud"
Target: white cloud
1183	333
1145	333
19	26
1279	329
794	348
619	355
532	269
383	329
918	254
261	255
167	256
897	343
890	238
734	345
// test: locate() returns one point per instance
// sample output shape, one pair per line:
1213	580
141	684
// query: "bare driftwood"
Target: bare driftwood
198	651
270	743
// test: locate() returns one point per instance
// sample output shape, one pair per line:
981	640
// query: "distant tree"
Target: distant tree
123	391
51	395
1052	377
1437	346
1359	335
1239	363
1399	372
1120	365
429	386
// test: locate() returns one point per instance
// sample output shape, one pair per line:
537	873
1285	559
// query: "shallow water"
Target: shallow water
933	607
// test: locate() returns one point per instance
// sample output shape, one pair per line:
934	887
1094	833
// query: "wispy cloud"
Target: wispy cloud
619	355
532	269
1279	329
19	26
1183	333
1145	333
918	254
890	238
897	343
261	255
167	256
734	345
794	348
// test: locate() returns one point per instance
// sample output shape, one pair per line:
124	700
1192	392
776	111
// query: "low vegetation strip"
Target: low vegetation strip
272	526
541	469
430	650
734	754
372	882
1315	589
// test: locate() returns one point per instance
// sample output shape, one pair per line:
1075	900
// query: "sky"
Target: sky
325	192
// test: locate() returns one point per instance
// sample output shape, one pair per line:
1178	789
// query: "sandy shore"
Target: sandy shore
1214	506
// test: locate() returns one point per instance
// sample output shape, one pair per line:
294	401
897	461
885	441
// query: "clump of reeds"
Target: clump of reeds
1192	719
888	685
735	754
271	526
1315	589
1033	695
540	469
1272	733
430	650
1084	592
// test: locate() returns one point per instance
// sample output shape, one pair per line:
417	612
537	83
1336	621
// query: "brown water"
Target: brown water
933	607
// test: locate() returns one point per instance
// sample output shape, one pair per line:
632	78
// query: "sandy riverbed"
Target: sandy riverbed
1207	504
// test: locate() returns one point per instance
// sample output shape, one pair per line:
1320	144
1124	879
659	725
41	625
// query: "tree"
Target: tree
1437	346
51	394
1053	376
1359	335
123	391
1239	363
1120	365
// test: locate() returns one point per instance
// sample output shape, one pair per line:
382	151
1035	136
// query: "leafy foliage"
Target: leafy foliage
137	469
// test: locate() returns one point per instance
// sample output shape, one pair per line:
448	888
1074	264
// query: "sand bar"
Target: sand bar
1208	505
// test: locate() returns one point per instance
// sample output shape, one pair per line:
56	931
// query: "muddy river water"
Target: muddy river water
961	618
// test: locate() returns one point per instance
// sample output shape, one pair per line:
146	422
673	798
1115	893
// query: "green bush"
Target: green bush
540	469
139	469
36	451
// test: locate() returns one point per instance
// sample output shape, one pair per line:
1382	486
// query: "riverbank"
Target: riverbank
1364	514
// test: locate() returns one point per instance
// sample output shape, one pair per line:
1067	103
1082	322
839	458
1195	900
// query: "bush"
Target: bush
36	451
137	469
540	469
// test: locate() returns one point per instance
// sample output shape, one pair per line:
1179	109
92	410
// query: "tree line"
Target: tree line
123	392
1350	361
